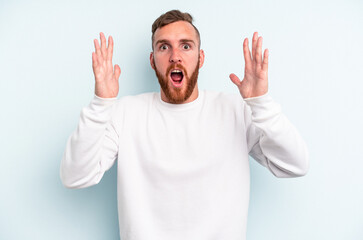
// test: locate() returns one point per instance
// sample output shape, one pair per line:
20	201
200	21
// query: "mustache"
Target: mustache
175	65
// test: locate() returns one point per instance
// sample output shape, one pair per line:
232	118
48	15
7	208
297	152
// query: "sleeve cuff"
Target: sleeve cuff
103	101
101	105
255	98
105	98
263	107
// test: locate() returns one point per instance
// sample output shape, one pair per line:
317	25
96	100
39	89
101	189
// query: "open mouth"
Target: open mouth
176	77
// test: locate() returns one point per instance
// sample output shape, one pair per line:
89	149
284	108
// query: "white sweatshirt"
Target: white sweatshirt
183	169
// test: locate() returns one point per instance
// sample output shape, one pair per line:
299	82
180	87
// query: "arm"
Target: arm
92	148
272	140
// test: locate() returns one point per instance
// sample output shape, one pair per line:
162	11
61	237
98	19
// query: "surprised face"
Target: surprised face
176	60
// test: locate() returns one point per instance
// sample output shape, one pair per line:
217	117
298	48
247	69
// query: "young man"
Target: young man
183	168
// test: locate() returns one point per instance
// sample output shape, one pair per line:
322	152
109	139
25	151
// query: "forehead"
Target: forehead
176	31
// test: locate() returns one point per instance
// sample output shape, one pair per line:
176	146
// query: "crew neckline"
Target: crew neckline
182	106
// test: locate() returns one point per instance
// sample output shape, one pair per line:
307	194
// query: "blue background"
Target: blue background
46	77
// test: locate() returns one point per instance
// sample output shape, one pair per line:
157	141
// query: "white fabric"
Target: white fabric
183	169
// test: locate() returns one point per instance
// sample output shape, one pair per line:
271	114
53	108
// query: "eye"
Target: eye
163	47
186	46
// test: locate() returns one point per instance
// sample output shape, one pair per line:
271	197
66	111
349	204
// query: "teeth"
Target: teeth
176	71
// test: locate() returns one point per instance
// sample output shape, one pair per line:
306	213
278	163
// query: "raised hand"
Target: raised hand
255	81
106	75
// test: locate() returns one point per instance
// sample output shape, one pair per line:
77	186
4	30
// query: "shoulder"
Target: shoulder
228	107
135	101
131	108
223	99
133	104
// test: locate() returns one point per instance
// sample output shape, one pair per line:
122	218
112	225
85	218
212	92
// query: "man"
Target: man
183	169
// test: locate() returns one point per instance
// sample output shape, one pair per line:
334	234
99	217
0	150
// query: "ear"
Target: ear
152	60
201	58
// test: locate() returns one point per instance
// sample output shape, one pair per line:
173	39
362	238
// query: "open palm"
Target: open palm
106	76
255	81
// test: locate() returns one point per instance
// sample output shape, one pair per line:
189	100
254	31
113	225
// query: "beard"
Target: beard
178	95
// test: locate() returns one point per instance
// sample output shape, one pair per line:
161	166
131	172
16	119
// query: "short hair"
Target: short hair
170	17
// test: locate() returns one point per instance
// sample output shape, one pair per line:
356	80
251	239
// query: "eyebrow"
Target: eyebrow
168	42
187	41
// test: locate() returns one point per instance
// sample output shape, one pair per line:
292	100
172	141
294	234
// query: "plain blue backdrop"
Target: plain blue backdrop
46	77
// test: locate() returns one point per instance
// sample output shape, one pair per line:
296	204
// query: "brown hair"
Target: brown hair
170	17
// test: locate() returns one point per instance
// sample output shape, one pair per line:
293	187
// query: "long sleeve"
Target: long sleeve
92	148
272	140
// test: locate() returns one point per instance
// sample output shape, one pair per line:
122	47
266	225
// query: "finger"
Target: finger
254	44
265	60
117	71
94	60
103	45
235	79
97	47
246	53
259	51
110	48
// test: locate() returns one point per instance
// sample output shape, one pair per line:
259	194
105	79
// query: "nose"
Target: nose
175	56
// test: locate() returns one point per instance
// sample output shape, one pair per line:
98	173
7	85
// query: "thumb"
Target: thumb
117	71
235	79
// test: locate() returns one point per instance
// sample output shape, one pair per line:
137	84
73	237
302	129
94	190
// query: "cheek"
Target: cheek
192	62
160	62
193	57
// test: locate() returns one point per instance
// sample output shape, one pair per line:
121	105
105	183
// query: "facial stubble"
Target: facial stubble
177	95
